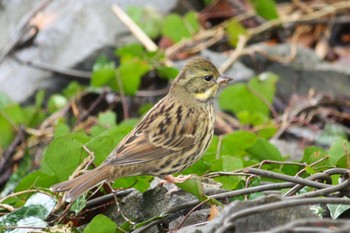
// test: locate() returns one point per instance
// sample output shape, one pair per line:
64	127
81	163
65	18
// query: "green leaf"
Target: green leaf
36	209
101	147
79	204
101	224
266	9
248	97
228	182
13	113
199	168
24	168
194	186
36	179
63	155
336	210
210	155
72	89
144	109
234	29
130	73
339	150
177	28
4	100
191	22
148	19
264	150
330	134
61	129
56	102
313	154
237	142
39	98
131	51
141	183
107	119
227	164
167	72
104	74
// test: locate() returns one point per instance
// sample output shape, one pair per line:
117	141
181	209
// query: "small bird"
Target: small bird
171	136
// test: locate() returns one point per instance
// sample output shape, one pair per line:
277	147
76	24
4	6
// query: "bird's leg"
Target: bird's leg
172	180
179	179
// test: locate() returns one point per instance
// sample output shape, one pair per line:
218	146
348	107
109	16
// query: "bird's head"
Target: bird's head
200	79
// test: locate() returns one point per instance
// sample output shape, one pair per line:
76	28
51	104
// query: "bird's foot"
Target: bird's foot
169	179
179	179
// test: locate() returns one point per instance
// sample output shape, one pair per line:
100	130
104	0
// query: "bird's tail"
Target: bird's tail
79	185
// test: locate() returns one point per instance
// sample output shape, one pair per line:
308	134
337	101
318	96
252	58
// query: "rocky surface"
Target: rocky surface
143	206
256	222
306	71
74	31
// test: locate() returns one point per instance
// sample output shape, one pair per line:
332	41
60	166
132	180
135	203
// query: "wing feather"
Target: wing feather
163	131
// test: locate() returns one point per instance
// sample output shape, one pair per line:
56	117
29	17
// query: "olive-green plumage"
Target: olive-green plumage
171	137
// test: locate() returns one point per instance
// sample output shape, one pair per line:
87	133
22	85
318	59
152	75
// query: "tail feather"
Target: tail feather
79	185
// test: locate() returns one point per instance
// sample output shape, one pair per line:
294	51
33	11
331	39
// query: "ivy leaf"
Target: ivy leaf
79	204
227	164
167	72
101	224
338	151
266	9
264	150
101	147
177	28
191	22
141	183
247	97
336	210
130	73
237	142
103	74
36	209
234	29
330	134
36	179
194	186
63	155
148	19
107	119
313	154
56	102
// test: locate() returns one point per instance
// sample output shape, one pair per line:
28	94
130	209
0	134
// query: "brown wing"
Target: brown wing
164	130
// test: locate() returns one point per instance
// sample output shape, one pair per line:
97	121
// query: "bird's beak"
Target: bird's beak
223	80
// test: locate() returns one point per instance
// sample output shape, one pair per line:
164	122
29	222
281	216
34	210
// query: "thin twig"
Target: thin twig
122	95
228	223
280	176
134	28
191	211
52	68
17	33
268	25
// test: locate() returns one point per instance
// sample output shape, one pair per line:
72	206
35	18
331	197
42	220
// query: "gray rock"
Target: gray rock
290	148
142	206
256	222
306	71
79	28
194	218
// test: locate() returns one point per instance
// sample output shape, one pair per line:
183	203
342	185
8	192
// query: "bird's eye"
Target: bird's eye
208	77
